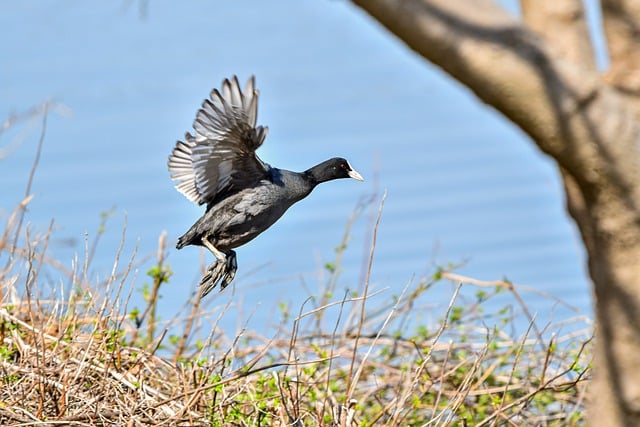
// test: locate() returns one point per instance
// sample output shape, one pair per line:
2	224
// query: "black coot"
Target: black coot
244	196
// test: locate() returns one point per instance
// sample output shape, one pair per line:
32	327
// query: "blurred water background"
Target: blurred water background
463	185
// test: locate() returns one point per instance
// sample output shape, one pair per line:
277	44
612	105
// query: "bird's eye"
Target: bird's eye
343	166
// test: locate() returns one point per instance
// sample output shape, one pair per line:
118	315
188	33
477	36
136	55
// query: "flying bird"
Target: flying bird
217	166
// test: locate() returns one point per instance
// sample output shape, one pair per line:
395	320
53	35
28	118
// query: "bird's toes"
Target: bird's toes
228	277
212	277
231	265
230	271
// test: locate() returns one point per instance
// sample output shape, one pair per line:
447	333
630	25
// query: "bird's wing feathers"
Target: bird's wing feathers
220	157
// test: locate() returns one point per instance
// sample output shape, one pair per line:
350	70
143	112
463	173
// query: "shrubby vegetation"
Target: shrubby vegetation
340	360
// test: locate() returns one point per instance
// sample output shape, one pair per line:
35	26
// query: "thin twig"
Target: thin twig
365	294
32	173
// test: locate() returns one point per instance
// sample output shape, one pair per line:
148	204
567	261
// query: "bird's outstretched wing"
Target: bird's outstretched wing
220	158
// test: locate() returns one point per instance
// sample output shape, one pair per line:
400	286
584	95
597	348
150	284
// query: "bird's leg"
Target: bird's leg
230	269
223	270
214	271
216	253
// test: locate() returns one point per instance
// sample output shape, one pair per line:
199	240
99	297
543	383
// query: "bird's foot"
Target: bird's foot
211	277
221	271
230	269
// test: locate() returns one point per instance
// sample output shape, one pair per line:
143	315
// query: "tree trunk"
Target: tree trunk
541	75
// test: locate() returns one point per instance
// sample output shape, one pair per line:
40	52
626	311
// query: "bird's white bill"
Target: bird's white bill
355	175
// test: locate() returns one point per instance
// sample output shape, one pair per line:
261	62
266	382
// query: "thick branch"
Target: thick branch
563	23
622	28
568	111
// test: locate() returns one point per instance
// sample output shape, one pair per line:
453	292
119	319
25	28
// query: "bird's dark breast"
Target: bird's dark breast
243	216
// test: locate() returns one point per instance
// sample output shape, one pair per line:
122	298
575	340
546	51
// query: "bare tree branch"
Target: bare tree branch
565	108
563	23
621	24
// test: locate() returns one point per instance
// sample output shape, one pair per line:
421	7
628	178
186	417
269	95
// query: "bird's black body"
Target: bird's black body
244	196
240	217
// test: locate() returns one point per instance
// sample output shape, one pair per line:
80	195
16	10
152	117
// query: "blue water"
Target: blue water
463	185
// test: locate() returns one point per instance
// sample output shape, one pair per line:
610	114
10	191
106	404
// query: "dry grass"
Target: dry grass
81	356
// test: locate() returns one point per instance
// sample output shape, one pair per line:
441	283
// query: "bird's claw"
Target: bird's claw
222	271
